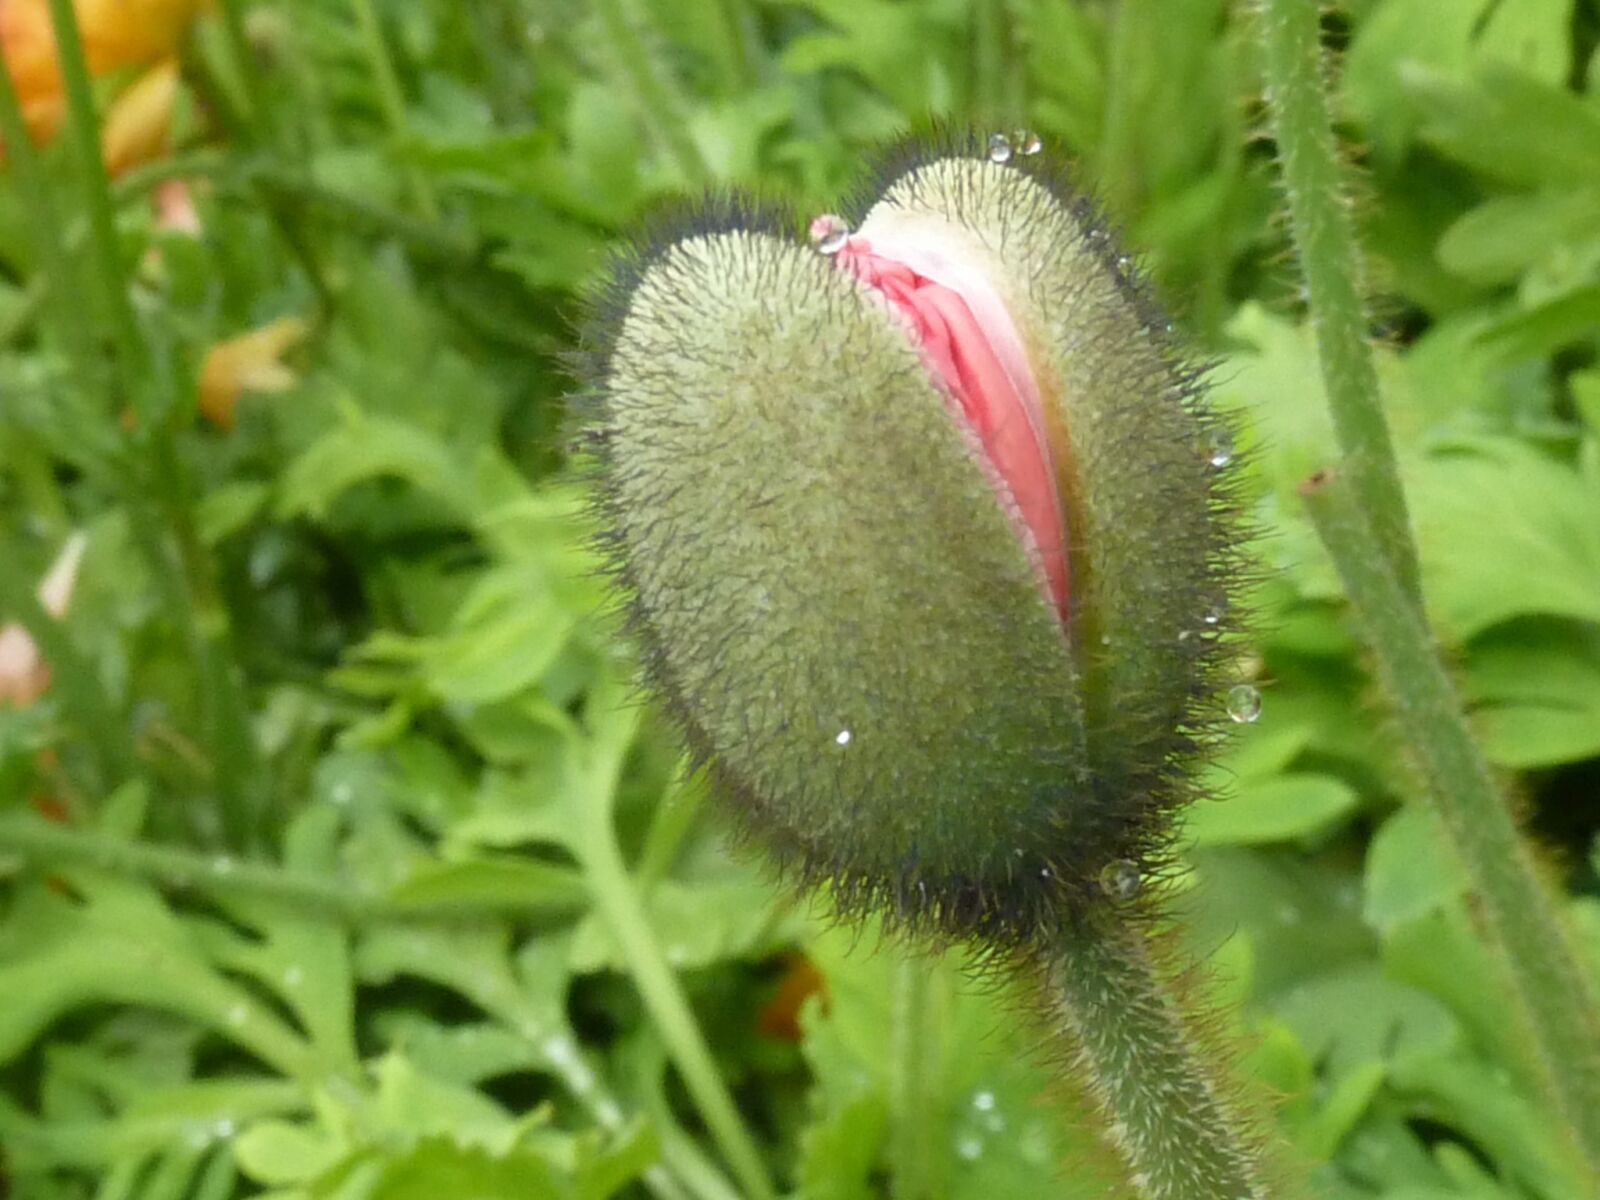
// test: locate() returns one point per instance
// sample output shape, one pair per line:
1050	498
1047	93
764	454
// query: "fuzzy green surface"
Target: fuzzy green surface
833	597
1151	537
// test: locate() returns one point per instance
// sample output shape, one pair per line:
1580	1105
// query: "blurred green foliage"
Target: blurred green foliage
355	943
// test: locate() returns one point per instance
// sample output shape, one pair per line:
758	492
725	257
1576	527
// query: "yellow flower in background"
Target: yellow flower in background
251	362
116	34
120	33
138	126
24	675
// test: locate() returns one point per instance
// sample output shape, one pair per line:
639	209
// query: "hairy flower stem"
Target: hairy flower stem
1553	996
1325	241
1164	1112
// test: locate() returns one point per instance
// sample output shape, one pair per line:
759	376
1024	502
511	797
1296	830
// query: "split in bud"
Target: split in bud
921	524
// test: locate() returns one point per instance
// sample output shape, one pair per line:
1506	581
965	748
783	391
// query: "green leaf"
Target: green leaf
1505	531
995	1139
365	448
518	885
1503	237
1351	1017
697	924
1509	125
1271	810
1483	1103
1410	870
1534	692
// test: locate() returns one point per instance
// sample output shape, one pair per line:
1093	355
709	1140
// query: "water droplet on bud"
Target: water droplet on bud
1026	141
1244	703
843	739
999	148
1219	448
1121	880
828	233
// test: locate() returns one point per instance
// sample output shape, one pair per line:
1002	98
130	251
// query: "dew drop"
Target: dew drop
843	738
1026	141
970	1148
999	148
828	233
1219	448
1124	263
1213	615
1121	880
1244	703
983	1101
224	1129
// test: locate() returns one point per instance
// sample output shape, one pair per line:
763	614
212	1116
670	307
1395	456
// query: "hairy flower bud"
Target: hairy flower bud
924	533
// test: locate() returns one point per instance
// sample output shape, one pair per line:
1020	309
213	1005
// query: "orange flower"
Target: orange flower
28	45
116	34
250	362
24	675
139	123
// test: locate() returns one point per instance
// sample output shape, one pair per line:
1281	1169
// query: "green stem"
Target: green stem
1551	993
659	104
915	1150
392	99
988	63
1119	162
84	131
174	867
62	284
739	75
192	590
1325	240
1163	1105
619	905
244	62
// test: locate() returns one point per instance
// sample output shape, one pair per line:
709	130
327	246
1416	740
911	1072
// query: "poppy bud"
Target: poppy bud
924	530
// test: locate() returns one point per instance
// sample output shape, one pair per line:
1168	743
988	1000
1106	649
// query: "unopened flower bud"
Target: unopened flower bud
922	533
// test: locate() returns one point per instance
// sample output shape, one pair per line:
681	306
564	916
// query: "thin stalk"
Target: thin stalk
250	110
1325	241
618	903
657	99
83	127
392	99
220	875
1552	995
916	1154
193	591
1163	1108
1119	164
989	64
62	283
739	75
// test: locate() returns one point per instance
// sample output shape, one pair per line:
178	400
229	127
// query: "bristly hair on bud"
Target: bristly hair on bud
927	533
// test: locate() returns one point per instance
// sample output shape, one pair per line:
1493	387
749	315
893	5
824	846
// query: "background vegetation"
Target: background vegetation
330	864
